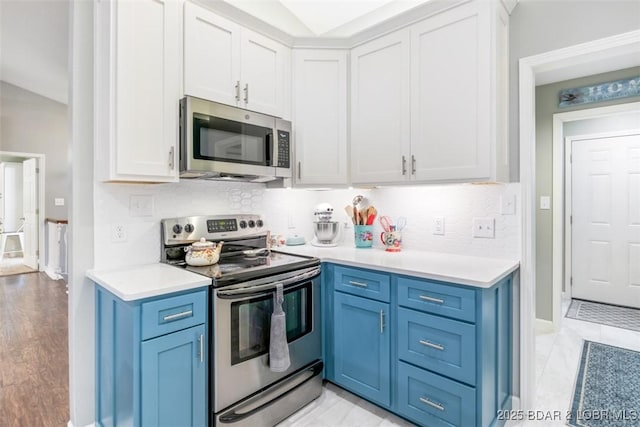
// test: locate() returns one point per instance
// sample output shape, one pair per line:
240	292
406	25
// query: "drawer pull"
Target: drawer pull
431	299
382	321
362	285
426	401
177	316
432	345
201	342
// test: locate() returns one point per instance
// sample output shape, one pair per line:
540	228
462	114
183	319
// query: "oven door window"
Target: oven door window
251	321
229	141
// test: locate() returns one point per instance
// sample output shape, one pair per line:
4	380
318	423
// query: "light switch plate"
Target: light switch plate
508	204
58	201
141	205
545	202
438	225
484	227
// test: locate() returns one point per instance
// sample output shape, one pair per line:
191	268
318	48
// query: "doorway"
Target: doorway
21	212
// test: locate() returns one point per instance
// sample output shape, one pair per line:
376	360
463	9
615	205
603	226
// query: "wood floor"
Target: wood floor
34	373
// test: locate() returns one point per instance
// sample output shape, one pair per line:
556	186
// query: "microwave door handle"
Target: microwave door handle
268	155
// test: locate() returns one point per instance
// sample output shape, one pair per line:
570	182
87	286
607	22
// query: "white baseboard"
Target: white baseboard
544	327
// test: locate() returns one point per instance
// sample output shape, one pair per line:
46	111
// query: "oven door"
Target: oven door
227	140
242	320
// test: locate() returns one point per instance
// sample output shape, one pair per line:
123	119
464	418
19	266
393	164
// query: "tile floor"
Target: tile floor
557	359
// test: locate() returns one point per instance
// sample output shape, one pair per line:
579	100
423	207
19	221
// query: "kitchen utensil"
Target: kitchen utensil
203	253
386	223
252	253
402	222
349	210
326	231
392	240
371	216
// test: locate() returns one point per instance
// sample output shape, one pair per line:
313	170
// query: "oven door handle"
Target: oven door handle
251	290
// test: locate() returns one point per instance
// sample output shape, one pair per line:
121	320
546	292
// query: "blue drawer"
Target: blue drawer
445	300
362	283
172	314
442	345
432	400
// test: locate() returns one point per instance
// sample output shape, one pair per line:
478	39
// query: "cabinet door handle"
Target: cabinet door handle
432	299
382	321
404	165
299	170
177	316
413	164
438	406
172	160
246	93
432	345
201	340
362	285
237	90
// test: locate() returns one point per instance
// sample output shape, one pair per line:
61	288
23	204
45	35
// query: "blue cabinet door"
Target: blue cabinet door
174	379
362	347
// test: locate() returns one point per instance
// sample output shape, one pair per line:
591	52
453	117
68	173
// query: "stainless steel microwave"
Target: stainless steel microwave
220	141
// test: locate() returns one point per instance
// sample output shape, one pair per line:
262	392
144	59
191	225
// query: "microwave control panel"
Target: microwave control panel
283	149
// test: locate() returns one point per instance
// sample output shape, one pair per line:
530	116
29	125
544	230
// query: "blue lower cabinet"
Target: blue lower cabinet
173	379
151	360
432	400
442	345
361	342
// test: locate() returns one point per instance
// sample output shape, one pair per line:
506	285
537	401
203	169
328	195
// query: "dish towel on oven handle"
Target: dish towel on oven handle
278	346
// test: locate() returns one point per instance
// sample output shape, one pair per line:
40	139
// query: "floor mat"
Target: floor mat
11	266
605	314
607	391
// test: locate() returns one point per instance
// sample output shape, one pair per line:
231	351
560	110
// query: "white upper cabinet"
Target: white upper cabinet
211	56
227	63
320	116
380	117
456	74
137	90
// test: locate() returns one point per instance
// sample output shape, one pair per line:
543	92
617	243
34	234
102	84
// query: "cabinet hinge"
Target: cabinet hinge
571	219
571	280
37	170
571	158
37	252
37	211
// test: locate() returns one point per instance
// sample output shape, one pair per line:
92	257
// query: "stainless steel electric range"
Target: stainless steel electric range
243	389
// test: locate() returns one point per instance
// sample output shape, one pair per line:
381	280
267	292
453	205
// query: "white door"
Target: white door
211	56
380	119
30	194
262	73
2	197
320	116
606	219
450	96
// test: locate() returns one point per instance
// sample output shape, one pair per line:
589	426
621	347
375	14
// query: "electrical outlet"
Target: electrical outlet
58	201
438	225
290	222
119	233
483	227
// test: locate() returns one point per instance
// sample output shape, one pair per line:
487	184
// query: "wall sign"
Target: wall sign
601	92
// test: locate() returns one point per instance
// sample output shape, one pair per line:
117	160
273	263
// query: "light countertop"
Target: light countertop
476	271
149	280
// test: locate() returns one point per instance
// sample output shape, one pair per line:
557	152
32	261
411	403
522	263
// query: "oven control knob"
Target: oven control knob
177	229
188	228
252	223
259	223
243	224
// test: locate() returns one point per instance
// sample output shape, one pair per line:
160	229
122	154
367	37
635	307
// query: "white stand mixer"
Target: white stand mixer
326	232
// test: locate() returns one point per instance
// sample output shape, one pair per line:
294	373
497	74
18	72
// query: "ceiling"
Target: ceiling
34	39
324	18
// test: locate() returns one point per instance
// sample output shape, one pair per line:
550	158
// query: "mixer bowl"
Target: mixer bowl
326	231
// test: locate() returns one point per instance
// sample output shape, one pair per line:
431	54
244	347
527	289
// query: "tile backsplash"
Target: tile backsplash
290	211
